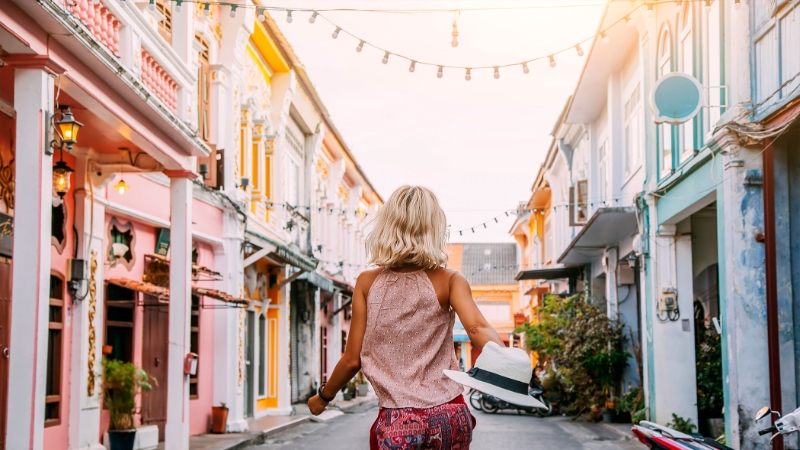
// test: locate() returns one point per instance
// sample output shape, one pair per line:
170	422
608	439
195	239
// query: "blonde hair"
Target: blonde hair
410	228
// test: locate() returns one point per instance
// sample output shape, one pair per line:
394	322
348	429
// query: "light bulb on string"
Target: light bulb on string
336	33
525	68
707	8
604	37
454	42
289	16
440	73
496	72
737	4
468	75
152	5
649	12
579	50
628	21
261	17
313	17
360	46
177	5
678	5
233	11
385	59
412	66
552	60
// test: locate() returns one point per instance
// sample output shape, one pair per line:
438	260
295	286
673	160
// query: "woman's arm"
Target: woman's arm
477	327
350	364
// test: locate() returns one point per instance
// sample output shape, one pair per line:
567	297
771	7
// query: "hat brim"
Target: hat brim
503	394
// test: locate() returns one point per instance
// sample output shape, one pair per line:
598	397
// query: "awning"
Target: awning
344	305
286	254
318	280
459	333
219	295
162	293
607	227
548	274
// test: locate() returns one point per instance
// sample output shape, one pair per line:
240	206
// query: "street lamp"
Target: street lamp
68	129
61	176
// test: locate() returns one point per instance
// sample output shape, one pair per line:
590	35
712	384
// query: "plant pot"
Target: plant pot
348	395
107	349
121	440
608	416
362	390
219	418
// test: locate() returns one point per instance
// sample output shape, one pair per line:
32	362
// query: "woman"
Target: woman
401	333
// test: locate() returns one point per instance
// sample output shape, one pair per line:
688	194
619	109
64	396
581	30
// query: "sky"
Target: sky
478	144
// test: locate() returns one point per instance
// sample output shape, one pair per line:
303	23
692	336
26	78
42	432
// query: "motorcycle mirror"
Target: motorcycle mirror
763	412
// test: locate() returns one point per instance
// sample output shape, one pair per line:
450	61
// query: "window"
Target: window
665	131
58	224
633	126
549	241
292	182
120	249
165	25
119	322
579	205
55	338
194	344
713	38
602	186
203	90
262	355
687	66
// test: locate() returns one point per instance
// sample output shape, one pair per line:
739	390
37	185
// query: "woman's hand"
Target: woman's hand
317	405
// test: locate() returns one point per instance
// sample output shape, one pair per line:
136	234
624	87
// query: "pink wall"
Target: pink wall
56	437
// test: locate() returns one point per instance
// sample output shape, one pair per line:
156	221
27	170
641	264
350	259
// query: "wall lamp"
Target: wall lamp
68	129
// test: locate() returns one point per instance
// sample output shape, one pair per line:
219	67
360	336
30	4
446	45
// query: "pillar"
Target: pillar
87	334
180	292
33	101
612	301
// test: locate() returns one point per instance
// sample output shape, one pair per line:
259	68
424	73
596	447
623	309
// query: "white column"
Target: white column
180	285
316	360
33	98
612	302
84	409
283	345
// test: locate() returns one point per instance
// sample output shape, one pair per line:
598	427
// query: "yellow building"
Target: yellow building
490	271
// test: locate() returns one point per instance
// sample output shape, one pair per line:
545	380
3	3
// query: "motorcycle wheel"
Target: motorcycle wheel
547	410
475	399
489	406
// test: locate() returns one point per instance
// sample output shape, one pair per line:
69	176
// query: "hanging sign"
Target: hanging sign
162	244
6	235
676	99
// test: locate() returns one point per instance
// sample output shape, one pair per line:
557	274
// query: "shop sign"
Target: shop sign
676	99
6	235
162	244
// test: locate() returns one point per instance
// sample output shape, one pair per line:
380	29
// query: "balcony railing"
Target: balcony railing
159	81
100	21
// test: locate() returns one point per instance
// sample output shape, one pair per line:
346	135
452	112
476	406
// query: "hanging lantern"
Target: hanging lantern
69	128
122	187
61	178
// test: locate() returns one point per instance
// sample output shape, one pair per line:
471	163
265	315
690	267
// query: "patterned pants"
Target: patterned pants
444	427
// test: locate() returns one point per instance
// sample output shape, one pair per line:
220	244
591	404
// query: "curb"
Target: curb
353	403
623	436
261	437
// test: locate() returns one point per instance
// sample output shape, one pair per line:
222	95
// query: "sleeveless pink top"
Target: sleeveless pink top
408	342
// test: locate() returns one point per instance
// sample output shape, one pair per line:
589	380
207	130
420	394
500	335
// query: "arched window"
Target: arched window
665	131
687	141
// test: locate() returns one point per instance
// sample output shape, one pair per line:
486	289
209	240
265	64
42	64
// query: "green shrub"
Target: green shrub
680	424
121	384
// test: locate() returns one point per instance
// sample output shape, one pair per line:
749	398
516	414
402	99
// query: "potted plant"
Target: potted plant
219	418
350	393
121	384
361	385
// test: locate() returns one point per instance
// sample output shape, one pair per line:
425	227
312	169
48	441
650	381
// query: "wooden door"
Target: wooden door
249	364
5	323
155	352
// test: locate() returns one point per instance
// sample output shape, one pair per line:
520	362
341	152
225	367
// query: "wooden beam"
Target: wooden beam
293	277
256	256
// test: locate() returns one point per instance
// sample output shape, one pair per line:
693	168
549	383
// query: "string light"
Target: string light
412	66
289	16
468	76
708	6
604	37
261	14
336	33
628	21
552	60
152	5
207	10
233	11
360	46
313	17
385	59
678	5
650	11
177	5
737	4
579	49
440	73
496	72
454	43
525	68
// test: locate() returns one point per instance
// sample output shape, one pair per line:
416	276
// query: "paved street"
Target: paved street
500	431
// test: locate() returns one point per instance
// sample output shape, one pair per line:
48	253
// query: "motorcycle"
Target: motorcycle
490	404
657	437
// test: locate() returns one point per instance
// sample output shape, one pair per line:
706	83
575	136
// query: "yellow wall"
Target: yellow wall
271	400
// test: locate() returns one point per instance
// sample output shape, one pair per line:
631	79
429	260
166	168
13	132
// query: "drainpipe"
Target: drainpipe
772	286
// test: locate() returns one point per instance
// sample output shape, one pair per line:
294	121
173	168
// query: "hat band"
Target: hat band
498	380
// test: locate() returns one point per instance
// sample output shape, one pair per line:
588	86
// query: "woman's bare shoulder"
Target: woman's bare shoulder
366	278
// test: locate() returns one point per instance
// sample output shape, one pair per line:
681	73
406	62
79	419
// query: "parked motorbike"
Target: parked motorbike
490	404
657	437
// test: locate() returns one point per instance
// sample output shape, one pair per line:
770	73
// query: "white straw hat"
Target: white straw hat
500	372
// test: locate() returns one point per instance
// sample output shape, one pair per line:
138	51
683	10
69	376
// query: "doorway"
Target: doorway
5	323
155	357
249	361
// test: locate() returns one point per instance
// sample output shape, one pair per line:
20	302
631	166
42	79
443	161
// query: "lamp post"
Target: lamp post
68	129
